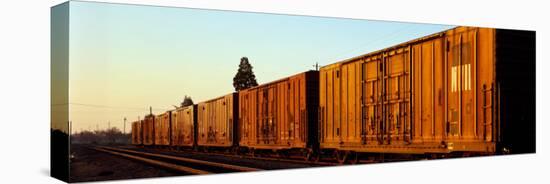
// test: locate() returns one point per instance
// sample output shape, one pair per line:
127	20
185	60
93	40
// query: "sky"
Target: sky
125	58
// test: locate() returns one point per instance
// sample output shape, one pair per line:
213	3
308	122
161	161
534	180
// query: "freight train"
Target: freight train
463	91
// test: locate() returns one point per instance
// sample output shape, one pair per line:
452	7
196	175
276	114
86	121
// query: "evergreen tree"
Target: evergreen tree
245	77
187	101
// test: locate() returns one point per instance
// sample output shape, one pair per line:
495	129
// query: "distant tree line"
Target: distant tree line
109	136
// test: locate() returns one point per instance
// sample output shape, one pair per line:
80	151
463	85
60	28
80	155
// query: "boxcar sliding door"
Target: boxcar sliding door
395	95
371	102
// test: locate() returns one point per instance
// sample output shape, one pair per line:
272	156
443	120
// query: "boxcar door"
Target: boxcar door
266	114
396	90
371	102
271	114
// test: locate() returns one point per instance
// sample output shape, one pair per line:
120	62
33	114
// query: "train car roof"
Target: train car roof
186	107
278	80
427	37
216	98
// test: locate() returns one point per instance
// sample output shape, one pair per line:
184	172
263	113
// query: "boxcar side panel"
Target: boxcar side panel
471	89
485	85
280	118
183	126
215	121
248	117
136	133
438	51
149	130
162	129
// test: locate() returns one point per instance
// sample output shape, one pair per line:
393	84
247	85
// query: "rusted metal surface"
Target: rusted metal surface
183	119
137	134
216	120
162	129
148	125
277	115
422	96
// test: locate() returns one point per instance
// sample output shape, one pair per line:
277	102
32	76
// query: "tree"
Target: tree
245	77
112	135
187	101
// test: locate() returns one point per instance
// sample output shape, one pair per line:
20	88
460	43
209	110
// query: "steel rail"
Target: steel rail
175	167
188	160
288	160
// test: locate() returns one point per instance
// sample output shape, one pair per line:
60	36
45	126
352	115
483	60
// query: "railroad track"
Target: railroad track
180	164
259	158
273	158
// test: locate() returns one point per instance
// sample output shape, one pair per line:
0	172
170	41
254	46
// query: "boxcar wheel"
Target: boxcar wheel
353	157
308	155
341	156
281	154
316	157
252	152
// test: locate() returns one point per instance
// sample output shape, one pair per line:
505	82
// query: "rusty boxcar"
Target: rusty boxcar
137	133
162	129
183	126
148	126
435	94
280	115
216	119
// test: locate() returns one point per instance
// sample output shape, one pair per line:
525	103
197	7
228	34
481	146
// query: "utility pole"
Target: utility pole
316	66
124	131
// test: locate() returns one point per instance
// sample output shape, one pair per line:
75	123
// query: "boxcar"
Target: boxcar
148	125
162	129
436	94
216	120
281	114
137	133
183	126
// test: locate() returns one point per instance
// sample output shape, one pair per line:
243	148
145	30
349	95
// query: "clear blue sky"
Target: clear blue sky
126	58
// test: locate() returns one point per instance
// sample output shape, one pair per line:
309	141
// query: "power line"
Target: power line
372	42
111	107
